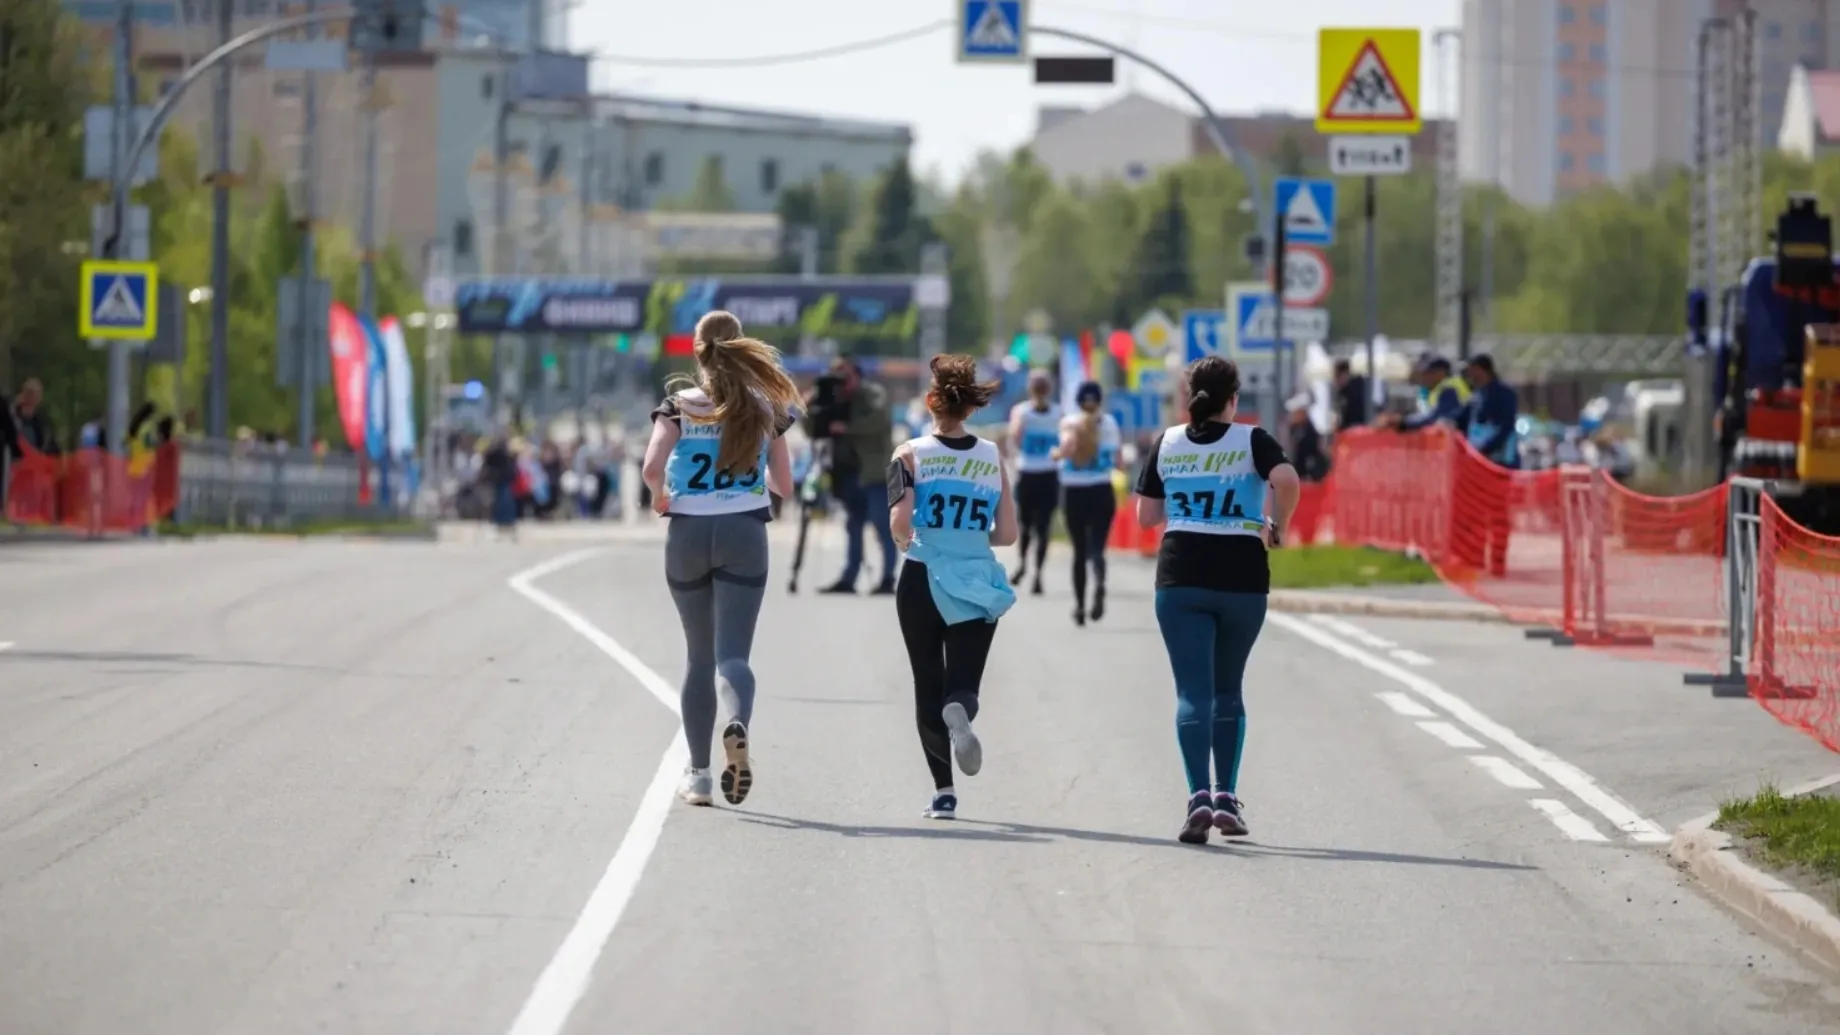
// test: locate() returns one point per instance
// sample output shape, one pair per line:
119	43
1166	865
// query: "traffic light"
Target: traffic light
387	26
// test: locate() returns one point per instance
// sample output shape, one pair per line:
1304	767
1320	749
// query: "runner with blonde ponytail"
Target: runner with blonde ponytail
717	449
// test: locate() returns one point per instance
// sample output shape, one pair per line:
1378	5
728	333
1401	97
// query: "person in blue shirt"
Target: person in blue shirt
1480	538
1091	448
717	450
1227	493
950	504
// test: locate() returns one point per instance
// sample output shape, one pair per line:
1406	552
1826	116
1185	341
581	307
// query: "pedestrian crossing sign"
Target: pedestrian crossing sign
993	30
1367	81
119	300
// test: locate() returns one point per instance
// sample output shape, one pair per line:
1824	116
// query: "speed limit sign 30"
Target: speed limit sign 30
1307	276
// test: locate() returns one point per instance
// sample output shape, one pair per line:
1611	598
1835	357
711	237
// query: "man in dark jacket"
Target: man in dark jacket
864	443
23	421
1488	422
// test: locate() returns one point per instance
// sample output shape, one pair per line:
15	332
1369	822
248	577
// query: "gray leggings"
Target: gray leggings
716	567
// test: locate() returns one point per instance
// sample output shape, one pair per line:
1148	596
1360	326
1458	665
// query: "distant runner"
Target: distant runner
1034	431
1089	452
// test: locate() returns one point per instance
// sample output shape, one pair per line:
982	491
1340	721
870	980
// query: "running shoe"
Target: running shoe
1016	577
1229	815
1200	820
965	746
1035	590
696	787
944	806
1079	615
737	777
1098	605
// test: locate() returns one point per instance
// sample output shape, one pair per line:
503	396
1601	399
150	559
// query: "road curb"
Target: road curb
1790	915
1296	601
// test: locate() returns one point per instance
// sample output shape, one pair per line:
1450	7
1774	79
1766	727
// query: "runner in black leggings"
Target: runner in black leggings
1089	453
1034	432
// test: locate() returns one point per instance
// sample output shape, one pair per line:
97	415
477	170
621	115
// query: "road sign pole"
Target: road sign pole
309	321
1272	408
1369	284
121	176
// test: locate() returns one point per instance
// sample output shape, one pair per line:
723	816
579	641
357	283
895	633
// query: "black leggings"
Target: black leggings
1037	497
948	663
1089	510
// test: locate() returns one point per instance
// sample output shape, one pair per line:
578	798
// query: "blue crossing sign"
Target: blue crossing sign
1256	323
1308	210
1203	333
119	300
993	31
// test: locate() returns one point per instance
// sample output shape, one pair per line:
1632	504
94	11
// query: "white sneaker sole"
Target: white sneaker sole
737	776
965	745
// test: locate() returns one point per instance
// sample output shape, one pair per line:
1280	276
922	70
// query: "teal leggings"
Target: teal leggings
1209	634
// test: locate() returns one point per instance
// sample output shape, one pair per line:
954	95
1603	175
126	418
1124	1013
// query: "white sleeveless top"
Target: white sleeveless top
956	492
1211	489
696	486
1040	432
1098	470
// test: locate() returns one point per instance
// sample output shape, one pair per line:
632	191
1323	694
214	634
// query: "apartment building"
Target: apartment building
578	164
1558	96
1132	137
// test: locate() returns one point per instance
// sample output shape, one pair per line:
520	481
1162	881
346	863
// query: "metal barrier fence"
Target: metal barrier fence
257	485
1743	553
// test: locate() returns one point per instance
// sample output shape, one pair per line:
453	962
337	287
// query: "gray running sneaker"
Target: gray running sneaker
697	788
965	746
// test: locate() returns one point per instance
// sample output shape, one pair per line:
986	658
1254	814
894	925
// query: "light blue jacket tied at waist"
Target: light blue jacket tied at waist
967	580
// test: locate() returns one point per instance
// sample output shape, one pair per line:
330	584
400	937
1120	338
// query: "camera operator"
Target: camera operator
854	416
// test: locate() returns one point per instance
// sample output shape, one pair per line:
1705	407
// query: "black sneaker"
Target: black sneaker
1016	577
839	588
1098	605
737	775
1079	615
1200	819
1229	815
944	806
886	589
1035	590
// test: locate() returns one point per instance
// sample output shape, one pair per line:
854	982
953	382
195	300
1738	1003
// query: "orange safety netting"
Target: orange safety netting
93	491
1795	664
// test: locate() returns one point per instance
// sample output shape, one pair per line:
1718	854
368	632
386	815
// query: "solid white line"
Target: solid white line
1412	657
1556	769
1451	735
1571	823
1405	704
566	978
1353	632
1507	772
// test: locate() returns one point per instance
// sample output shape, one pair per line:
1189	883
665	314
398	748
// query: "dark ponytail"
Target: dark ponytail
1213	385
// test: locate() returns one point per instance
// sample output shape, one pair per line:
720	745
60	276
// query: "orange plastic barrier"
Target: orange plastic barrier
93	491
1795	667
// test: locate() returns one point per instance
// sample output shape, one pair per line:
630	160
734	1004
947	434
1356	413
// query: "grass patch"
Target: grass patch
1324	567
1800	834
404	527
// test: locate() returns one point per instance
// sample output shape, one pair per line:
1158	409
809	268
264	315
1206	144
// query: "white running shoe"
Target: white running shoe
737	775
697	787
965	746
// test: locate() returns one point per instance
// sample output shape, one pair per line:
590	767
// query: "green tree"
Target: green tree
43	207
1056	270
1159	274
895	230
968	319
797	208
710	191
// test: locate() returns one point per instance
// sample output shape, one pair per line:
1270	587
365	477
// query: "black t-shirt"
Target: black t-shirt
670	409
1229	563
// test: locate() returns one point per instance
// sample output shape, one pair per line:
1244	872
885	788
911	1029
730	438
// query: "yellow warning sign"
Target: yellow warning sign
1367	81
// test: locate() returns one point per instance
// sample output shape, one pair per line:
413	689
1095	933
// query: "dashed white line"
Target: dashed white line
1505	771
1405	704
1353	632
566	977
1451	735
1570	823
1620	814
1412	657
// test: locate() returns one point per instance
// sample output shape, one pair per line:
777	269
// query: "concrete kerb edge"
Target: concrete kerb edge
1792	916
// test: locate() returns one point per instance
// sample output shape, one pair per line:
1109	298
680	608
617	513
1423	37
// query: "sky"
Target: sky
1244	57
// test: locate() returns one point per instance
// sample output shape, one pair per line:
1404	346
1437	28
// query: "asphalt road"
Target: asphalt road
275	787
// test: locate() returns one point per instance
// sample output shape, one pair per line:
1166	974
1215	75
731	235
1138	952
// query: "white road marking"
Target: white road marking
1353	632
1451	735
1507	772
1412	657
6	645
1405	704
1620	814
1571	823
566	977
